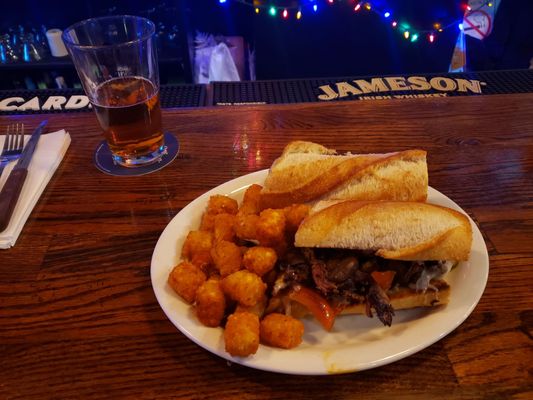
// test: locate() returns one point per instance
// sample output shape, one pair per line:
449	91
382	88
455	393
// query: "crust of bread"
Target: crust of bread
308	171
394	230
301	146
405	298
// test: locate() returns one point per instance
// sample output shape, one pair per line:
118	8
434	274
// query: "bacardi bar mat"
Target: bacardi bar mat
74	100
373	87
104	161
289	91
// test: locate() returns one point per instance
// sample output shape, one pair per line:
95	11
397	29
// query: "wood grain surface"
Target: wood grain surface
79	319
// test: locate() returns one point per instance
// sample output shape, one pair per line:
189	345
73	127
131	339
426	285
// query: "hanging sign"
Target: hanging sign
479	20
477	24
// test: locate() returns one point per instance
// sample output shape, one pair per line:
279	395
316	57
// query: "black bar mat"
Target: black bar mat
73	100
289	91
372	87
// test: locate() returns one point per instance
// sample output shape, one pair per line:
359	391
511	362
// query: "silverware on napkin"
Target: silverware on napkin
11	191
13	145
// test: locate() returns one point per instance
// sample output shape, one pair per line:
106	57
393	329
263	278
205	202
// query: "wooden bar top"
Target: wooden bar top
78	315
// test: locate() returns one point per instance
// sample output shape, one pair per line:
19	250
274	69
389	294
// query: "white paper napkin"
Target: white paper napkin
48	155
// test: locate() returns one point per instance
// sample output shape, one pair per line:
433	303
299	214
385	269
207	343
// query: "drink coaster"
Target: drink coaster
105	163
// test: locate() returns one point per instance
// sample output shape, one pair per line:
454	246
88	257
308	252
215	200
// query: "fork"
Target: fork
13	145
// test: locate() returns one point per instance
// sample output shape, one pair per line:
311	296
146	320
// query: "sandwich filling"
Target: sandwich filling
346	278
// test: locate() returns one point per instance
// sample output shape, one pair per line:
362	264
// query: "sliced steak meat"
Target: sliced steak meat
322	282
380	302
340	270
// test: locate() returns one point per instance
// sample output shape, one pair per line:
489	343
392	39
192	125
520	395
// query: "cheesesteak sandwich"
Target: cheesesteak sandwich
308	172
373	257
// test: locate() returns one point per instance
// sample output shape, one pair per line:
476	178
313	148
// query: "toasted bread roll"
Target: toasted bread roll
405	298
307	172
393	230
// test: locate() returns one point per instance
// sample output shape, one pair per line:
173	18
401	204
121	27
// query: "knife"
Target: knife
11	191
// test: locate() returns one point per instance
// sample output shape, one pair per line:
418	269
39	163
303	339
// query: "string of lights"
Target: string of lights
297	9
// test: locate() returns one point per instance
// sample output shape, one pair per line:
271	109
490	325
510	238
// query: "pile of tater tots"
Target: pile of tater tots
228	269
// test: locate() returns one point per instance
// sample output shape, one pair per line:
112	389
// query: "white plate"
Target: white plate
356	342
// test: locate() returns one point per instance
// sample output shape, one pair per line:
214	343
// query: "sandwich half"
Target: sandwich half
374	257
309	172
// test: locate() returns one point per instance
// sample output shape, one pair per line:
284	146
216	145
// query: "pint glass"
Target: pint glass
116	60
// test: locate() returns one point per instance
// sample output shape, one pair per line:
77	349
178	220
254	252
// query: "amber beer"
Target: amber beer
129	113
116	60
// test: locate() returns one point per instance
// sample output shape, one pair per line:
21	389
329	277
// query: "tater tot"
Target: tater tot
219	204
223	228
196	242
244	287
227	257
259	260
271	226
208	222
250	201
257	309
210	303
204	261
246	226
241	334
280	330
185	279
294	215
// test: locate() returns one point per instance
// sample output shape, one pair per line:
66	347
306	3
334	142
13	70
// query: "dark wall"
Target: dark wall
510	45
335	41
62	13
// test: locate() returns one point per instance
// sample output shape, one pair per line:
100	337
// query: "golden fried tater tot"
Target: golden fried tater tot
280	330
246	226
223	229
208	222
259	260
271	226
257	309
244	287
294	215
210	303
204	261
185	279
241	334
196	242
250	201
219	204
227	257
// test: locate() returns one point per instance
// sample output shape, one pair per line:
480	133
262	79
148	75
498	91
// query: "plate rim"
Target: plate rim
258	177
